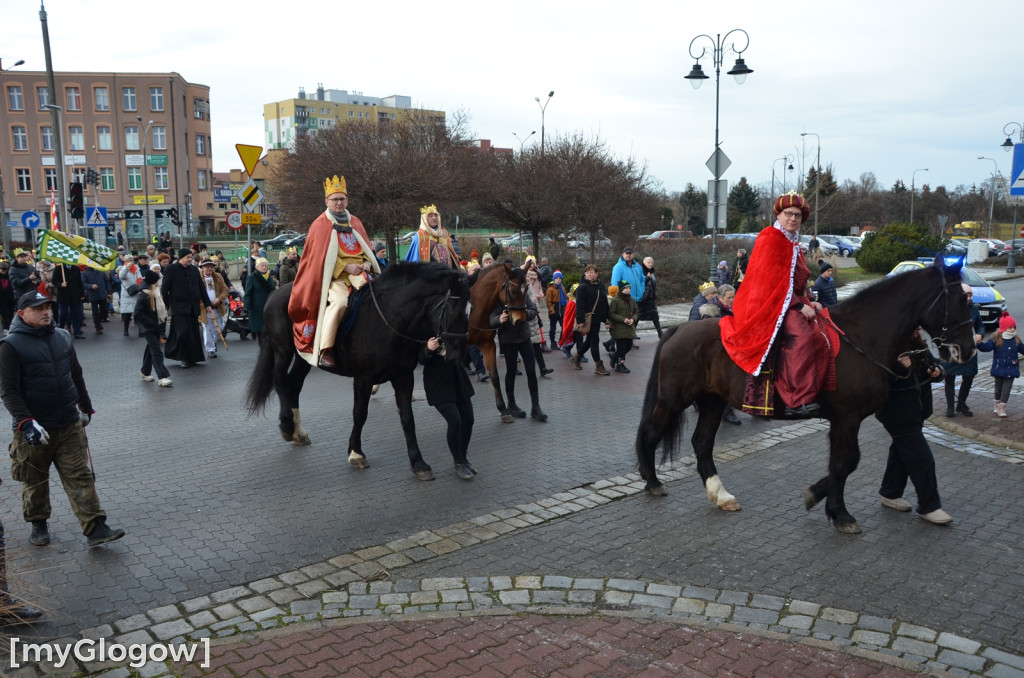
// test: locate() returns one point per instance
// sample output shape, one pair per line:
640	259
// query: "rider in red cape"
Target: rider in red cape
336	258
772	301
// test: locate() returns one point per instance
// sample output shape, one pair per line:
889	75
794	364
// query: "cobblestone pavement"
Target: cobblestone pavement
290	560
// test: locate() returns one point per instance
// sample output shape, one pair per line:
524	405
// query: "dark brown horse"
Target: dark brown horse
692	367
496	284
401	309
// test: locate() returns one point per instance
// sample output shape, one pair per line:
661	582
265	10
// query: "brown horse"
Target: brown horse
692	367
503	284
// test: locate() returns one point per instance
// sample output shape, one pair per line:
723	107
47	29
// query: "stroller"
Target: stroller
238	316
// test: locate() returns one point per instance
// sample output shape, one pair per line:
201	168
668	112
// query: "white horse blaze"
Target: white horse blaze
716	492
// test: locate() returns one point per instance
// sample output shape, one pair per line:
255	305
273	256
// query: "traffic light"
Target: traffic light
92	177
174	217
77	201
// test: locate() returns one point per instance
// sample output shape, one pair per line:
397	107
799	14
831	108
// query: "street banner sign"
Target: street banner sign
96	216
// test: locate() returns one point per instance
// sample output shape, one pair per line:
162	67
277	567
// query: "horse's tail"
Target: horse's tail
261	383
650	433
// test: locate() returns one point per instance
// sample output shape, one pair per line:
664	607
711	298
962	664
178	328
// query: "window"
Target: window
106	178
159	137
46	138
160	174
42	96
76	139
156	98
104	139
201	180
50	179
101	97
128	99
15	100
19	138
134	178
24	181
351	114
131	138
200	144
73	97
78	174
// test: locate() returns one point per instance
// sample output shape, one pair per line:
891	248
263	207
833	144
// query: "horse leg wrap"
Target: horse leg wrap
718	496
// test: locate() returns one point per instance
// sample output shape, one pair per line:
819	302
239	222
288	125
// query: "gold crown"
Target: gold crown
428	209
333	185
706	286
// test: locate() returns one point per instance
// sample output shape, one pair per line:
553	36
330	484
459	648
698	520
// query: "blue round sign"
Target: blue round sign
30	219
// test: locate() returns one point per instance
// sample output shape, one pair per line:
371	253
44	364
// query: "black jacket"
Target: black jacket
586	295
20	279
514	334
910	397
444	381
40	377
146	316
183	290
71	293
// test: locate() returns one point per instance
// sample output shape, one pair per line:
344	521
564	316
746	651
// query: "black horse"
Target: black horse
691	366
399	311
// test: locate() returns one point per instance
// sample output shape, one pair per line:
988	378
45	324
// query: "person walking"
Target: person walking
515	342
1005	347
184	295
258	287
591	312
70	292
825	287
622	314
555	299
449	392
42	386
648	304
7	298
97	292
131	282
214	313
148	310
966	371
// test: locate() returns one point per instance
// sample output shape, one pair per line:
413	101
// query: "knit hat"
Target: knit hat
623	284
825	266
1006	322
151	277
184	252
556	274
613	290
723	264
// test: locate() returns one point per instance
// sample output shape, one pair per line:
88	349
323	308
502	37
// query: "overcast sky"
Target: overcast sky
890	86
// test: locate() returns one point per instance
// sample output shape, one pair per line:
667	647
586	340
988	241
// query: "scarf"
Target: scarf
1010	333
561	296
340	220
793	237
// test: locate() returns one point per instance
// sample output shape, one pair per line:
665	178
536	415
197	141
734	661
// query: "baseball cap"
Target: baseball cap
32	299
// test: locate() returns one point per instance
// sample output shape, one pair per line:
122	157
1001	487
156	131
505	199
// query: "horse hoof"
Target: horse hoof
425	475
731	505
656	490
357	460
285	435
810	500
848	528
302	440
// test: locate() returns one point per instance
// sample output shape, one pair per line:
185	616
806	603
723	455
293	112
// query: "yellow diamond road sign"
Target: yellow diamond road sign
250	155
250	195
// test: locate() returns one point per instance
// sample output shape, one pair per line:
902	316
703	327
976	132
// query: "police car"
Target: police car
990	302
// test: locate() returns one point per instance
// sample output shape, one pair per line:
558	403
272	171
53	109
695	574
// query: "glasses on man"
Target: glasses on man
792	215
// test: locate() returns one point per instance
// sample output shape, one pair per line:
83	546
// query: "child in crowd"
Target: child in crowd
1005	347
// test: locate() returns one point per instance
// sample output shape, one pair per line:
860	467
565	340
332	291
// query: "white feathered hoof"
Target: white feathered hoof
718	496
301	439
357	460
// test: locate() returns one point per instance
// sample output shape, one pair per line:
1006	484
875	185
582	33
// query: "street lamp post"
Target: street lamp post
817	180
145	178
524	139
992	192
543	108
696	77
57	120
787	164
912	177
1011	265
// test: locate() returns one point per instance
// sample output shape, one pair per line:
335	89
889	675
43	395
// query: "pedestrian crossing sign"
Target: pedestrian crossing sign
96	216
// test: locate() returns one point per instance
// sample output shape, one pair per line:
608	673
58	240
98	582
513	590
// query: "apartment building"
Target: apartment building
290	119
146	135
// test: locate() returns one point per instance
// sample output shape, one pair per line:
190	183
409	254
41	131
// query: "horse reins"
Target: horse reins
442	319
507	288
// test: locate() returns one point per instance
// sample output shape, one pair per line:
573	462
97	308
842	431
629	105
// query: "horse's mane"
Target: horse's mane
402	273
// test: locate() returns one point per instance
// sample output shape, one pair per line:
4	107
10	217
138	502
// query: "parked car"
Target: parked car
407	237
666	235
847	248
522	240
279	240
827	248
996	247
582	241
990	302
297	241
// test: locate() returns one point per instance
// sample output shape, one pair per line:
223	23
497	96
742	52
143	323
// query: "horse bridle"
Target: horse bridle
442	319
507	290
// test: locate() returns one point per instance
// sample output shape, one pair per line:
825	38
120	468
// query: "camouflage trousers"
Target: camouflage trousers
67	451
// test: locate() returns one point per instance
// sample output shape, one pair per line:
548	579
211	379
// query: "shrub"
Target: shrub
897	242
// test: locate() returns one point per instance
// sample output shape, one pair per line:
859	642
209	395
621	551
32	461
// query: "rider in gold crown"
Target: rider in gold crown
337	259
432	241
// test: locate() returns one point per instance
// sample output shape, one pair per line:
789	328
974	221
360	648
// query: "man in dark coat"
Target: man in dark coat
590	298
825	287
68	281
97	292
23	275
184	294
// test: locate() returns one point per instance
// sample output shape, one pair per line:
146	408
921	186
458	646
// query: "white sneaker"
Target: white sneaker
147	377
897	504
166	381
937	517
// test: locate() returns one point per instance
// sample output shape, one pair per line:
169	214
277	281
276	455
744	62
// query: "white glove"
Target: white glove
34	433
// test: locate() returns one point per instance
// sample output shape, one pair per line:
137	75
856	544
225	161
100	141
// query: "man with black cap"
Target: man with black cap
42	386
825	287
184	294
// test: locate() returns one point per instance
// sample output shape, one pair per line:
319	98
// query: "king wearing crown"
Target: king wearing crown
432	241
337	259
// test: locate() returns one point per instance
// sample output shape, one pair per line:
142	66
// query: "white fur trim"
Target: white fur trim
782	314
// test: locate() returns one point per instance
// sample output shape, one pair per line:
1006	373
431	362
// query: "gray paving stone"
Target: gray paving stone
310	606
916	647
165	613
755	616
958	643
227	595
961	660
168	630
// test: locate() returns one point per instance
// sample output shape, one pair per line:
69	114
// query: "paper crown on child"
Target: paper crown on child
334	185
706	287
